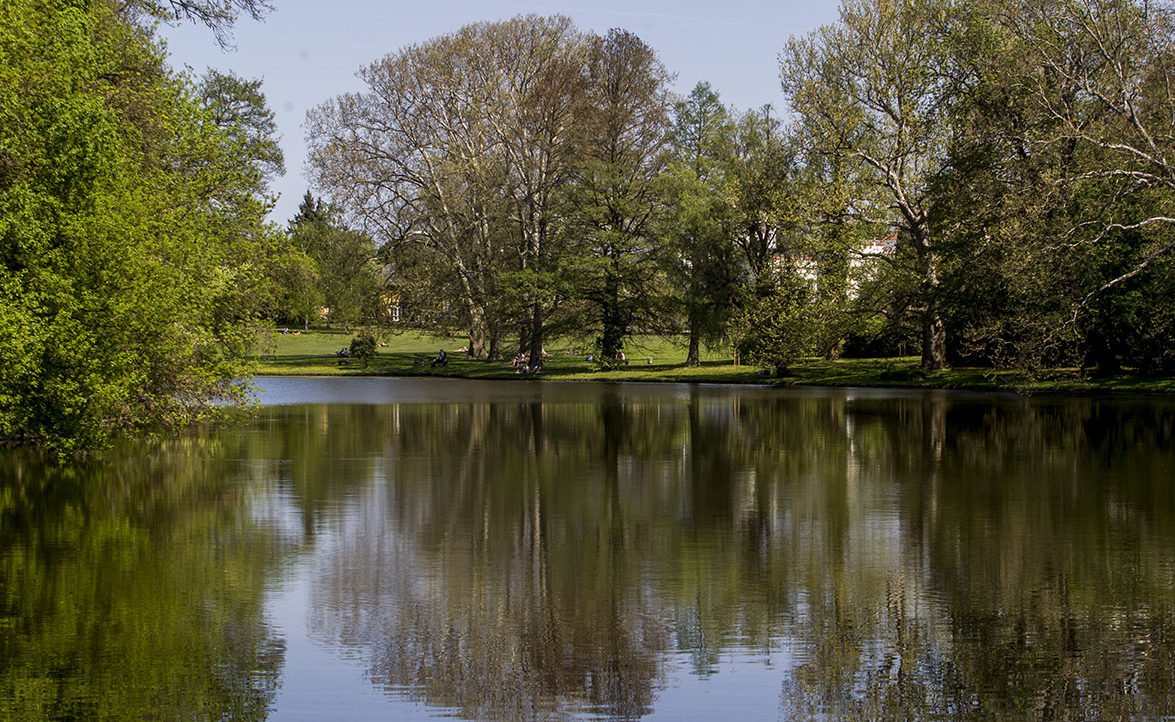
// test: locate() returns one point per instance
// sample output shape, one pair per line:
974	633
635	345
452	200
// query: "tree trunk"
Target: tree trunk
477	345
1099	355
495	350
692	358
477	333
934	334
523	339
536	335
613	339
934	340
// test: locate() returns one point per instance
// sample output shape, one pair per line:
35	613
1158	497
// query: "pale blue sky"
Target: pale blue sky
308	51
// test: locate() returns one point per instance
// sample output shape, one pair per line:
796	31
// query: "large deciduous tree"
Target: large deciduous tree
1098	77
458	148
699	223
1056	190
874	91
614	253
533	71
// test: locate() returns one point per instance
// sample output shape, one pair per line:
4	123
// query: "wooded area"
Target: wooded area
984	183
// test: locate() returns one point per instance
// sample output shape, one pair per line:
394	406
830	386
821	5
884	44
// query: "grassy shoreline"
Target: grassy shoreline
658	360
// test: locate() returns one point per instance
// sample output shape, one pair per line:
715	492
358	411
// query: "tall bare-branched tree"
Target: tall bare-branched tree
874	92
459	146
533	71
414	161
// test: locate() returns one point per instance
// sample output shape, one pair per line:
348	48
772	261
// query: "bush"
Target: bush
778	329
363	346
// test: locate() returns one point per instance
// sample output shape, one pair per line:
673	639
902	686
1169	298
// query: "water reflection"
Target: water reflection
543	550
909	555
133	588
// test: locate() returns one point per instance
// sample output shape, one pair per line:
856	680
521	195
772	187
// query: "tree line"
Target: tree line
525	178
983	183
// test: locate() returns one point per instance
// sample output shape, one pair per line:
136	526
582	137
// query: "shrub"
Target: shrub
363	346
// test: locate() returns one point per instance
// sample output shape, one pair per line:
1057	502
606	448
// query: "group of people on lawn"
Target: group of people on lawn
522	366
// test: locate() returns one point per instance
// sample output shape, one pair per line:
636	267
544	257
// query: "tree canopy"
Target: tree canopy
131	227
984	182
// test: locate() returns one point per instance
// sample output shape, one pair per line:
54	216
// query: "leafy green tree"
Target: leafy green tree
364	346
1052	188
267	266
698	218
875	92
239	109
297	297
615	254
1097	75
781	326
760	168
348	276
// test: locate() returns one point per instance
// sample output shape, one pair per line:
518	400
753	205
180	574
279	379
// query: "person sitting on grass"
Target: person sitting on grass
442	359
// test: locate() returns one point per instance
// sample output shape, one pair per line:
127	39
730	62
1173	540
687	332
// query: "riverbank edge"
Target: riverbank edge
893	376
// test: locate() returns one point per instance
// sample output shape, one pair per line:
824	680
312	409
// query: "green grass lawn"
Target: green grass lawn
407	354
658	359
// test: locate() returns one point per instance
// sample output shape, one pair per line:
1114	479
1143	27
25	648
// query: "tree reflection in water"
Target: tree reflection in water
132	588
905	555
569	550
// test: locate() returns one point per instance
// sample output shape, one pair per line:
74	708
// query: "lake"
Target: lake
412	549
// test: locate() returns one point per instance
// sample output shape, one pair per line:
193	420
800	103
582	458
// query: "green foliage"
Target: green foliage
875	94
129	229
763	187
364	346
699	221
345	278
614	257
777	329
238	108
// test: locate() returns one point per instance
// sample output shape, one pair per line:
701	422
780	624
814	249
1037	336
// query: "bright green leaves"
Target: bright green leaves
127	216
779	328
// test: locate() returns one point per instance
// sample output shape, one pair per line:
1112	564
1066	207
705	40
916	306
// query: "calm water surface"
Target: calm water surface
408	549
